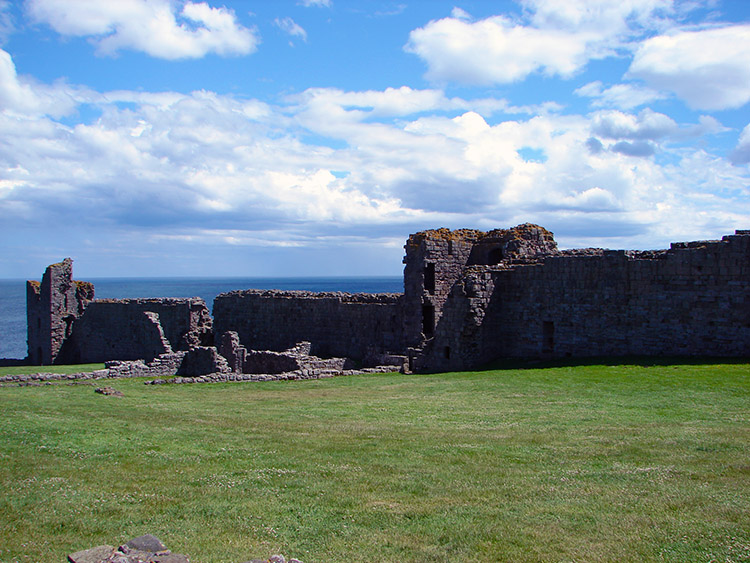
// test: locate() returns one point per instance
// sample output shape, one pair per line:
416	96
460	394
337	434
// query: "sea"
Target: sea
13	295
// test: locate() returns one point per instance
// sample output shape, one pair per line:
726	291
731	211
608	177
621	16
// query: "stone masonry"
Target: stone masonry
336	324
690	300
470	297
52	306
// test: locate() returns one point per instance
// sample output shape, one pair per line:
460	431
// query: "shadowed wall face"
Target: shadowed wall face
132	329
52	307
690	300
337	324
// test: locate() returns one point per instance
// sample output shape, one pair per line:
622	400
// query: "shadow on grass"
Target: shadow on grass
13	362
641	361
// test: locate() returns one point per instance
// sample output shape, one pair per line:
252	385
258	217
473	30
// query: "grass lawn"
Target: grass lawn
587	463
21	370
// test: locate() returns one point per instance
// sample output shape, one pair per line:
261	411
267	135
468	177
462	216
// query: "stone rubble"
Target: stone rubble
146	549
36	379
286	376
205	364
109	391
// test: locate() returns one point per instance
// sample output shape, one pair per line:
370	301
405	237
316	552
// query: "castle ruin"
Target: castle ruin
470	297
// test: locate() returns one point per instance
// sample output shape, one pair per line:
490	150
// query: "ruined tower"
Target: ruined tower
52	306
441	264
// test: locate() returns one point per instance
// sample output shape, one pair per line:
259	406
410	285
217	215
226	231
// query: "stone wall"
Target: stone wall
336	324
132	329
436	260
690	300
469	297
51	309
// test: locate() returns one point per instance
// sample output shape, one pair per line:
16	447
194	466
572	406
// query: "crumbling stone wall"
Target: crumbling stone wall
459	341
51	309
201	360
434	261
336	324
469	297
132	329
693	299
164	365
437	259
690	300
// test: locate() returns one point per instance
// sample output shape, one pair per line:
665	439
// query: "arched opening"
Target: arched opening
69	325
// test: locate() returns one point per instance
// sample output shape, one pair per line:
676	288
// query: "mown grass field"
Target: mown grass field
587	463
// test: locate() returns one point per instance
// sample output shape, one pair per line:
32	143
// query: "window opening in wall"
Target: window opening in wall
548	337
428	320
429	278
495	256
450	247
69	325
447	352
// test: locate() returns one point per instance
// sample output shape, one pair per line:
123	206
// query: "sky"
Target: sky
311	137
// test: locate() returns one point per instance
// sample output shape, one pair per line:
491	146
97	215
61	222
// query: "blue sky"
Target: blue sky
310	137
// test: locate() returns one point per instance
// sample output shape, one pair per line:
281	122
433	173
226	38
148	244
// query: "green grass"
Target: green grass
588	463
24	370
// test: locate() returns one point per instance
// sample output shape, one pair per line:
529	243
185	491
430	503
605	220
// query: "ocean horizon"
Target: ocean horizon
13	295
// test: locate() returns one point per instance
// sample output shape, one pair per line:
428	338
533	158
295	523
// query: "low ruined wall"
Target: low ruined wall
122	329
337	324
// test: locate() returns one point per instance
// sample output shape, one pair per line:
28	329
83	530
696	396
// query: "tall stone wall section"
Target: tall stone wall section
434	261
437	265
52	306
459	340
690	300
336	324
132	329
693	300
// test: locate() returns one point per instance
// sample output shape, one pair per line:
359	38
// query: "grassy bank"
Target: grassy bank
587	463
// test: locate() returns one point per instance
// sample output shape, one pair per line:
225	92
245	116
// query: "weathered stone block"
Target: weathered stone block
99	554
203	360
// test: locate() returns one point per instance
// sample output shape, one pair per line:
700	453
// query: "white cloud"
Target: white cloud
559	39
160	28
592	199
459	14
623	96
494	50
330	163
290	27
741	153
635	148
603	17
709	69
6	21
647	125
316	3
389	102
24	96
397	102
13	94
642	134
